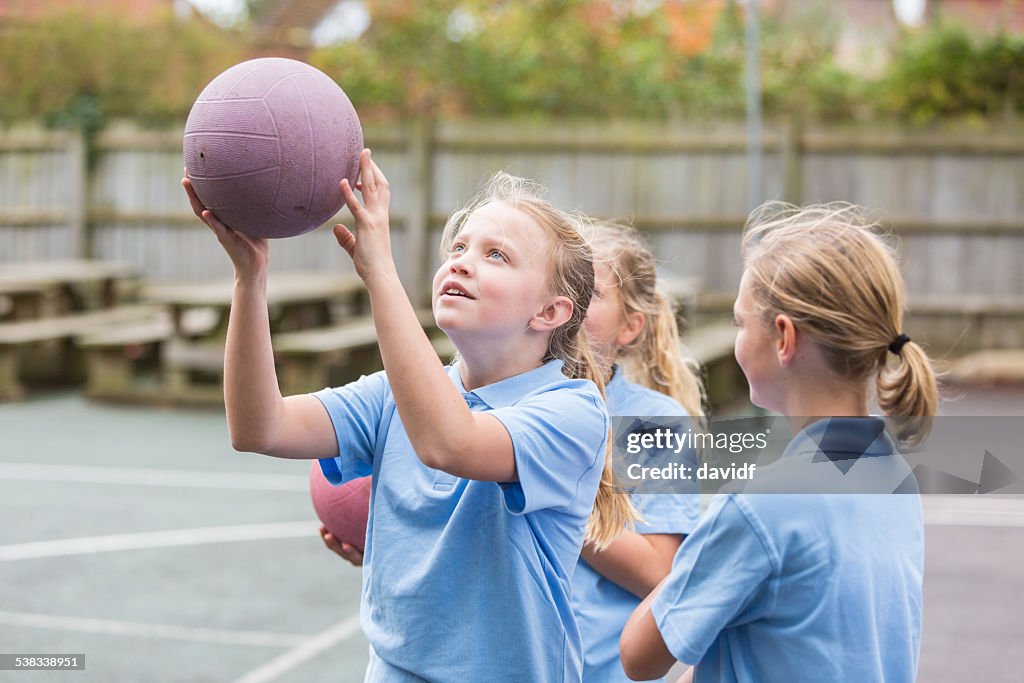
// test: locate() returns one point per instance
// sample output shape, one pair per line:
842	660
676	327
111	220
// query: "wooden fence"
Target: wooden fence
955	199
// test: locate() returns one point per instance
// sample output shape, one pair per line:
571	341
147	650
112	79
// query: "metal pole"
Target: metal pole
755	146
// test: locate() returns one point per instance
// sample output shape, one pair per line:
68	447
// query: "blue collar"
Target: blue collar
508	391
842	439
617	382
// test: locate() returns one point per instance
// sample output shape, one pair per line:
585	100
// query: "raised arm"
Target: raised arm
259	418
444	432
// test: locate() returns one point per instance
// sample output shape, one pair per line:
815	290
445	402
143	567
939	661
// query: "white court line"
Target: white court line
973	511
153	477
157	539
304	652
143	630
973	518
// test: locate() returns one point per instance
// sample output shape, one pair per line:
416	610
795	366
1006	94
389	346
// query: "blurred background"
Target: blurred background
675	116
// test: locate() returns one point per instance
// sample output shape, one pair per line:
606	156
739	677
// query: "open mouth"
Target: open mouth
454	289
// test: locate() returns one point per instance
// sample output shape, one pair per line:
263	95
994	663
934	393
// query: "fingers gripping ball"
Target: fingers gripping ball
343	509
267	143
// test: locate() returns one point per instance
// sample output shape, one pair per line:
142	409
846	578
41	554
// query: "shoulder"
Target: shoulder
374	386
570	392
630	398
745	514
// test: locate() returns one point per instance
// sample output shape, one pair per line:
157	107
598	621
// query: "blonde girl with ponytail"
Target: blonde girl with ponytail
815	587
485	472
633	329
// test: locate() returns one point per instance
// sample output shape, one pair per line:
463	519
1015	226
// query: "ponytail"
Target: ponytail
613	511
906	390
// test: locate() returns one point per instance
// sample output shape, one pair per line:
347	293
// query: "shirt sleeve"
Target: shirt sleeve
668	513
356	411
675	508
723	575
558	438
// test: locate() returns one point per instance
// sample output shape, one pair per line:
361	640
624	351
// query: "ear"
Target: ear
554	314
630	329
785	339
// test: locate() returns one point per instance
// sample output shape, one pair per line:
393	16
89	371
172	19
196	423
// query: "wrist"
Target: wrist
251	282
384	275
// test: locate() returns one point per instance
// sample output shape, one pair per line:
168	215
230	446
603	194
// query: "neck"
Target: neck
809	404
486	363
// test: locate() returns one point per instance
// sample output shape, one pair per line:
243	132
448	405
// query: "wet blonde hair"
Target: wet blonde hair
572	276
828	269
655	358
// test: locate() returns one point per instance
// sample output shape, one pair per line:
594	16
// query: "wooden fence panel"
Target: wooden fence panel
954	200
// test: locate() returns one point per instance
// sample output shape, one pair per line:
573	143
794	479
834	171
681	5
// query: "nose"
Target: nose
458	264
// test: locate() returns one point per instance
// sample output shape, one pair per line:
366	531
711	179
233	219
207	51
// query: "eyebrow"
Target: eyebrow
504	243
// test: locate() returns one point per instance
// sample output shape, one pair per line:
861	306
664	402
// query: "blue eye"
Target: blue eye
494	252
458	248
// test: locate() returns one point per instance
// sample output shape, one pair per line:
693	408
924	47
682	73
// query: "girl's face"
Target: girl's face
607	325
756	350
496	276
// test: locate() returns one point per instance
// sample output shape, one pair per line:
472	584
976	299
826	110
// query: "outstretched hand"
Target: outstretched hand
250	255
344	550
370	246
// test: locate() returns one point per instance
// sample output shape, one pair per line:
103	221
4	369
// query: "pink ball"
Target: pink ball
343	509
267	143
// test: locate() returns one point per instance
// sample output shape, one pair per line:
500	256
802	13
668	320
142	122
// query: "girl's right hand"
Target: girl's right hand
249	255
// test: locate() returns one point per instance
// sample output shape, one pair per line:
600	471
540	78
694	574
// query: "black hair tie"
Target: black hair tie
897	344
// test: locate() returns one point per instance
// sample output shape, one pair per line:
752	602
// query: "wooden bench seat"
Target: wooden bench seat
711	345
123	362
64	326
682	293
17	336
711	342
312	359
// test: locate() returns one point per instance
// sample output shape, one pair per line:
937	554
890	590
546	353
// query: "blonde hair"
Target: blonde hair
827	268
572	276
655	358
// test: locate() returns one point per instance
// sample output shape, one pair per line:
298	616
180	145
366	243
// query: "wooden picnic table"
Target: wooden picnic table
39	289
297	300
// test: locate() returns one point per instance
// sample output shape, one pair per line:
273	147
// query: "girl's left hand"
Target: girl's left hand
370	247
343	550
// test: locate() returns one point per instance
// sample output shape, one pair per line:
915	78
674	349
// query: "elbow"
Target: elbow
638	670
246	444
434	458
641	659
248	441
441	452
632	664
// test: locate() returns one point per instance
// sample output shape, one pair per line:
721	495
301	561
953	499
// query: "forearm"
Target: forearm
251	394
635	562
432	411
642	648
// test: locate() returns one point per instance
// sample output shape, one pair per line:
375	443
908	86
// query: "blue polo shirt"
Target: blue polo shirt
803	587
602	607
470	580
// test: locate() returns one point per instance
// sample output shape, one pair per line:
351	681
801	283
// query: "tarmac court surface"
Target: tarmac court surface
139	538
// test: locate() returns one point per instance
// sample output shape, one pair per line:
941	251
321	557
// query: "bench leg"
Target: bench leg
10	387
108	373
